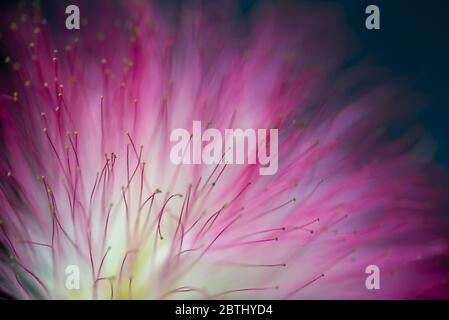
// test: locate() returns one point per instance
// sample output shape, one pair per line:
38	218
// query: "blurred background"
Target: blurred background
413	44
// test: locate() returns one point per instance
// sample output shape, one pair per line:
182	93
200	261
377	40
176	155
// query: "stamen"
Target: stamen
303	286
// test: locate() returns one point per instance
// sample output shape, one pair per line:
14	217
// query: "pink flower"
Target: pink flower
86	177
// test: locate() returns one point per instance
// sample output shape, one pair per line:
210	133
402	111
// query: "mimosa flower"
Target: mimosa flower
87	181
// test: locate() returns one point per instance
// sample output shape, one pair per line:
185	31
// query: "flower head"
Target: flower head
87	181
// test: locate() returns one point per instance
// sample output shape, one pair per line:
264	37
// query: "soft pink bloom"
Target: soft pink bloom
86	177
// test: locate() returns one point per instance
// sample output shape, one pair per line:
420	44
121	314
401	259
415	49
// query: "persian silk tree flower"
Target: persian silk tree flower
88	188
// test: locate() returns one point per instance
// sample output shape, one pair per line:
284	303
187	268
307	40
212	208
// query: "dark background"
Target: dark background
413	42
